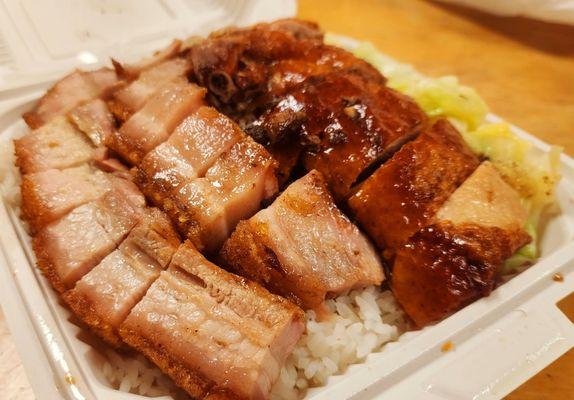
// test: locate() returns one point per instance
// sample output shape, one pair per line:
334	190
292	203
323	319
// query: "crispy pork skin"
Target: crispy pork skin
70	247
404	194
57	144
192	148
49	195
153	124
133	70
303	247
104	297
94	119
210	330
129	99
454	260
72	90
206	210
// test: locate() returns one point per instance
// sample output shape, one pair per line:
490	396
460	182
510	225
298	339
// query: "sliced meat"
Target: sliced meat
303	247
126	101
57	145
192	148
153	124
453	261
104	297
132	71
212	331
49	195
95	120
207	209
404	194
69	248
69	92
345	125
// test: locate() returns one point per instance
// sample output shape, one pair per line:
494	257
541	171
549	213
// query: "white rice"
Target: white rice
9	175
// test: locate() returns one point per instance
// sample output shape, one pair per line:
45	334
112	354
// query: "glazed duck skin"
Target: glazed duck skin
209	329
302	247
104	297
454	261
404	194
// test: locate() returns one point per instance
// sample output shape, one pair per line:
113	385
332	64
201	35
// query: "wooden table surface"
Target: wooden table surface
524	70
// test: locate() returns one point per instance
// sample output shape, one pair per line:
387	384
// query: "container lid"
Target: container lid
42	40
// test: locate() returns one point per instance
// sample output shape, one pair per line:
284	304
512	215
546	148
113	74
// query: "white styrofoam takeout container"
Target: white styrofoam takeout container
498	342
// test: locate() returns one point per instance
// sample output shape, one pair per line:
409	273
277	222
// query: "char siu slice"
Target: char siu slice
104	296
129	99
454	260
155	121
69	248
72	90
303	247
57	144
404	194
210	330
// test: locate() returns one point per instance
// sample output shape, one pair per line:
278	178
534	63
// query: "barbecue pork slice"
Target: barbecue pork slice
95	120
455	259
303	247
213	331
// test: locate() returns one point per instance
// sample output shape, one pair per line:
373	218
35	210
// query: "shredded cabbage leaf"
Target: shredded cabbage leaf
533	173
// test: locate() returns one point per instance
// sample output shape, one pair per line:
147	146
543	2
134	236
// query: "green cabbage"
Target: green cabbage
533	173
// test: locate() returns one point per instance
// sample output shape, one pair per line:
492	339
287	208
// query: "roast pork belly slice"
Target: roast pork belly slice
454	260
70	247
210	330
104	296
57	144
303	247
133	70
153	123
50	194
129	99
404	194
207	209
69	92
95	120
192	148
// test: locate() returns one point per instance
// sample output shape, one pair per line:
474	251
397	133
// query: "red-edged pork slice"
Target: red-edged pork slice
213	331
454	261
50	194
132	71
404	194
95	120
303	247
207	209
69	248
153	124
57	144
187	154
69	92
126	101
104	297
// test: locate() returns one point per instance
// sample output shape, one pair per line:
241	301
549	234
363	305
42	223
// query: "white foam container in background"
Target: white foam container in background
498	342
